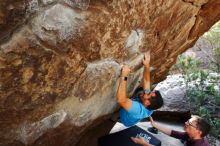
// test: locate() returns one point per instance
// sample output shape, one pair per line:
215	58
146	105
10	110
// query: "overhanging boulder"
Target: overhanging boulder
60	60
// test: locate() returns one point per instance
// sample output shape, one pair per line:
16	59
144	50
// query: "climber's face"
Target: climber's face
145	98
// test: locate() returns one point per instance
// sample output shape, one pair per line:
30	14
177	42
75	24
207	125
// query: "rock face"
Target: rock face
60	60
173	91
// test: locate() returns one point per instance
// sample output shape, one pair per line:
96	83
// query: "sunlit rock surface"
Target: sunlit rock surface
60	60
173	91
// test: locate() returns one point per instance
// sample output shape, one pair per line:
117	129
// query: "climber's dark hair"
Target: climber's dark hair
156	101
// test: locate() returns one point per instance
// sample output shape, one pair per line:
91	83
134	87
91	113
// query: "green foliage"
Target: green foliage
215	124
199	92
204	96
213	36
197	97
211	89
187	64
204	112
217	99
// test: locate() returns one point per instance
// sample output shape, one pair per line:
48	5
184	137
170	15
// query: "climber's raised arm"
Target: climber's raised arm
122	97
146	76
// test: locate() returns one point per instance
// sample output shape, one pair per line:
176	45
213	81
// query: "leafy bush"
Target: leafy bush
217	99
202	89
201	93
213	36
